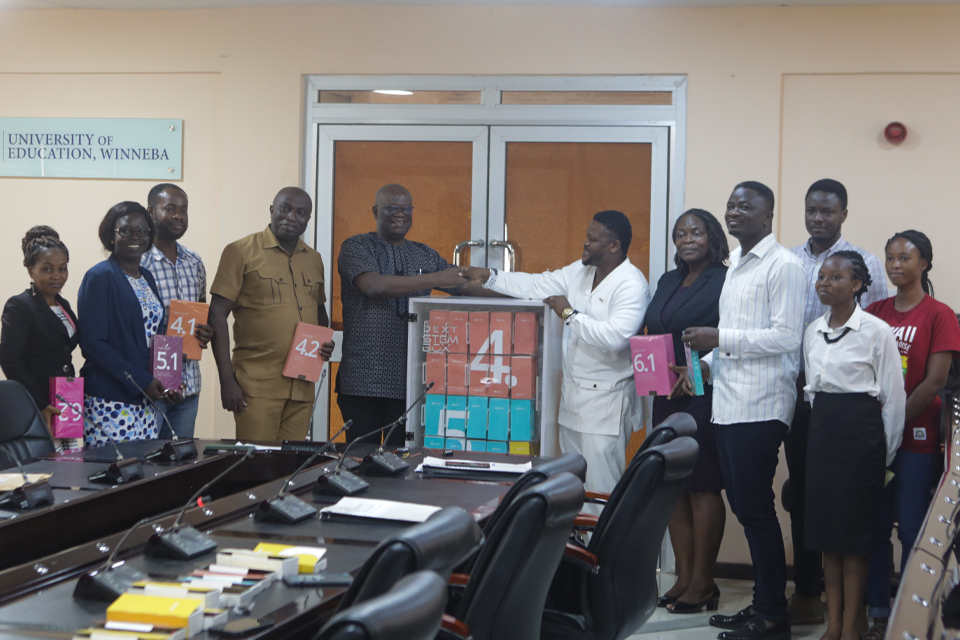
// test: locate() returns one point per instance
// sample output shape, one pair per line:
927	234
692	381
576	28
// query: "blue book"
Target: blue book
521	420
498	423
693	370
477	418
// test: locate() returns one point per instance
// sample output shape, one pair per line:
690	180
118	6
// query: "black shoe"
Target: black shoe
735	621
663	601
757	629
712	604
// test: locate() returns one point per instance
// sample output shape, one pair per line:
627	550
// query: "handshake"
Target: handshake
462	276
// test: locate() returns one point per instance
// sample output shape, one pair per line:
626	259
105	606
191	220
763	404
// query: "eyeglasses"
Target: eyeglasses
127	232
392	210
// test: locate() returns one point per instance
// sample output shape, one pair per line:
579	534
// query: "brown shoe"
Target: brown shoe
805	610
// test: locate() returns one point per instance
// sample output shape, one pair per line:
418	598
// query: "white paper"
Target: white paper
259	447
223	568
128	626
474	465
381	509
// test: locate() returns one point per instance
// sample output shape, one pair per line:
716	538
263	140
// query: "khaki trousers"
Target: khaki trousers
272	419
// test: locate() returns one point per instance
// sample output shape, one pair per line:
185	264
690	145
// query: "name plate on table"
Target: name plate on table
167	358
113	148
651	357
184	318
304	361
66	394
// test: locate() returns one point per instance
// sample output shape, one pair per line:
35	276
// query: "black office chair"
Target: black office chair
439	544
411	610
675	426
608	590
23	435
503	597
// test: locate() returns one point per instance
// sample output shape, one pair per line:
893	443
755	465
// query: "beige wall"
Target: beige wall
235	76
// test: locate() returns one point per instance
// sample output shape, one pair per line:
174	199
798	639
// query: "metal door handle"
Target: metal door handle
511	253
463	245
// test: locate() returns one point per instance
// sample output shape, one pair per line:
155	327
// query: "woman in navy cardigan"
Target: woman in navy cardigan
689	296
121	306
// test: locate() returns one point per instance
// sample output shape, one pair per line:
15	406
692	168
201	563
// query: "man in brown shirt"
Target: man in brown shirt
270	281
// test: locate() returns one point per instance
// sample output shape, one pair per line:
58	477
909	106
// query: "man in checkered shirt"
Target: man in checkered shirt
180	275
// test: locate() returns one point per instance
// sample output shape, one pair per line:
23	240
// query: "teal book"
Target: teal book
693	370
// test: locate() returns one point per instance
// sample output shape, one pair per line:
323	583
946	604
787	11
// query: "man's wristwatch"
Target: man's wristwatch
565	315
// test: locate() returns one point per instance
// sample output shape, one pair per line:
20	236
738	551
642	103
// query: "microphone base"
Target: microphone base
30	495
107	584
182	543
120	472
383	464
341	483
284	510
175	450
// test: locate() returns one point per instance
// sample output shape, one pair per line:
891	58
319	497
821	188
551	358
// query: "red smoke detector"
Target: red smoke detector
895	133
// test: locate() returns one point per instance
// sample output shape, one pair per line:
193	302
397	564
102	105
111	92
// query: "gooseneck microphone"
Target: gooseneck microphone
289	509
30	495
175	450
323	375
120	472
384	463
182	541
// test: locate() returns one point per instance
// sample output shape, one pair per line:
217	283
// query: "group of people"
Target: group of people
798	347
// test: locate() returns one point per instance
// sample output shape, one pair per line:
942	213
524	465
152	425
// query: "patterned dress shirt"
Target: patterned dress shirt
186	280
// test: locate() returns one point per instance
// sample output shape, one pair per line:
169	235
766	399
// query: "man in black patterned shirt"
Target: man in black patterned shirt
379	272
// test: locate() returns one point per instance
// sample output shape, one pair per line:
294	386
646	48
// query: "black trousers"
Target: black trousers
807	565
749	453
369	414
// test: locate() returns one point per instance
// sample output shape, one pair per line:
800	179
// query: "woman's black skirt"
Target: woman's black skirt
846	461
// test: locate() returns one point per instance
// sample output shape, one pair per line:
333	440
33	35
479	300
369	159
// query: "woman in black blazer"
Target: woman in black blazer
40	330
689	296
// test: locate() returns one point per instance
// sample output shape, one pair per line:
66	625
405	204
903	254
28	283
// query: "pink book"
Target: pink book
66	394
167	358
651	355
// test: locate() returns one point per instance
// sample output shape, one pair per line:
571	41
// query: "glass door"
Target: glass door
444	168
547	182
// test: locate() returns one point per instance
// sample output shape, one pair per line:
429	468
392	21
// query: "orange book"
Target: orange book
479	332
523	376
458	332
183	321
526	328
457	378
170	613
437	327
501	332
480	375
304	361
499	386
436	372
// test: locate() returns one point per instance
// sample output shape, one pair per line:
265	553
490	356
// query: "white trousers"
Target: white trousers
605	456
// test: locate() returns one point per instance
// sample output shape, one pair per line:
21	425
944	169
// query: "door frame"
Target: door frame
658	137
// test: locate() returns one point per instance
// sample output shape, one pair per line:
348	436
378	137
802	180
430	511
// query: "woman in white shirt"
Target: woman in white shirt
855	383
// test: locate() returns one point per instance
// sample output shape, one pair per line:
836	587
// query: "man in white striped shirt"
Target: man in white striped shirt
754	367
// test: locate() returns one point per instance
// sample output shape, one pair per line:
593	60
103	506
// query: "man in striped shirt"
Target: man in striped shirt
180	275
754	367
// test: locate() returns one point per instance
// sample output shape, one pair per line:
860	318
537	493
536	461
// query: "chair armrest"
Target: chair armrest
596	497
458	579
585	521
581	558
453	629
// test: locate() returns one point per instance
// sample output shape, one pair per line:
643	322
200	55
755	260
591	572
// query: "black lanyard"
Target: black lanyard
838	338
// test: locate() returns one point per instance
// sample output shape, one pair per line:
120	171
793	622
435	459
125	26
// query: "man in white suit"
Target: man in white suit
601	299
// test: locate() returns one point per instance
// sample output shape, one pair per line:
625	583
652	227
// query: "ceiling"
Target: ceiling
220	4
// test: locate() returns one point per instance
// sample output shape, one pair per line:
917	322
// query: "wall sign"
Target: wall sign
114	148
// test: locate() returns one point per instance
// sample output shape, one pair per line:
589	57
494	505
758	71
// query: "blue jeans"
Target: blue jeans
908	496
182	417
749	453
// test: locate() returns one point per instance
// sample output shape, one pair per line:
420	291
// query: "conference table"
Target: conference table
53	545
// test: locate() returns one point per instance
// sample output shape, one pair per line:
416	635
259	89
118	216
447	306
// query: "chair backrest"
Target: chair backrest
566	463
505	595
439	544
412	610
674	426
23	434
623	594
